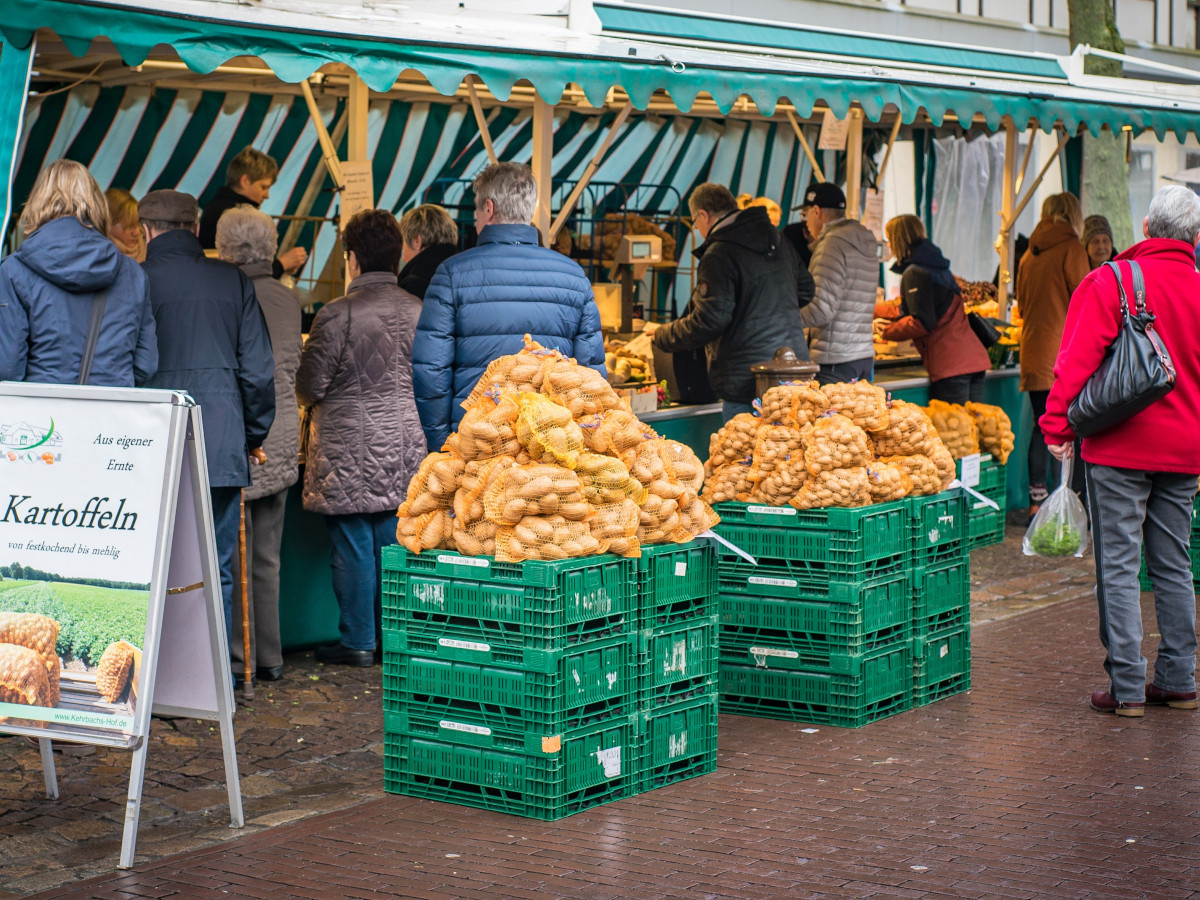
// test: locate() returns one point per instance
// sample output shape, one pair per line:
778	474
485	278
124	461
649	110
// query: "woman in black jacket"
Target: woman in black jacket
430	238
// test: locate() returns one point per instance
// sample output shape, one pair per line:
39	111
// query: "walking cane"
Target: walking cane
247	670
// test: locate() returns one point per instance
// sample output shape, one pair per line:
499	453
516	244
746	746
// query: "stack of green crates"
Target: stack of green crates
941	595
986	525
821	629
1144	578
543	689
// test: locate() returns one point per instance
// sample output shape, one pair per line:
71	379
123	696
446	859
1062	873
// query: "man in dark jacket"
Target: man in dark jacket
482	301
212	343
430	238
248	180
750	285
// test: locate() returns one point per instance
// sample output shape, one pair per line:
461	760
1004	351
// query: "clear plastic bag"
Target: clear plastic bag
1060	527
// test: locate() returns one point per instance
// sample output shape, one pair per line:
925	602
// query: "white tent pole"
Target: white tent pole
573	197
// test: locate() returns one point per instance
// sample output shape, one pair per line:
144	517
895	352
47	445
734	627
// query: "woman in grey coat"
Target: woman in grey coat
247	238
365	440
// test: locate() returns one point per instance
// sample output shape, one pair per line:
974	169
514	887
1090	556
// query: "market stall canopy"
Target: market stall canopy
639	50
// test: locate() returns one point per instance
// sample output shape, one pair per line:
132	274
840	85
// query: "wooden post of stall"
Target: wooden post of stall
854	161
1005	245
357	106
543	154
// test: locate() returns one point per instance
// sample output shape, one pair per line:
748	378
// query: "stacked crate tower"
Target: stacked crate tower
985	525
543	689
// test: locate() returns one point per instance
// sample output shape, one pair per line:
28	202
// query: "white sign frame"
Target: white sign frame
194	680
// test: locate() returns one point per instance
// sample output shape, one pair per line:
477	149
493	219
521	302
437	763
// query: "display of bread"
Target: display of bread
550	463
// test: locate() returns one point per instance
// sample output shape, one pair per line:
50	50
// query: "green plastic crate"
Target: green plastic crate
938	524
839	539
985	526
993	477
676	582
543	605
797	579
590	767
941	589
570	688
678	741
677	661
941	664
881	686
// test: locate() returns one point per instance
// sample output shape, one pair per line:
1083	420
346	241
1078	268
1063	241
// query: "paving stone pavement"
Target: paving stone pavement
1012	790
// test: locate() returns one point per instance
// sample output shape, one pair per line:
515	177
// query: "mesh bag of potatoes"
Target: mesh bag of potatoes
730	482
545	538
23	676
835	442
434	485
887	481
782	482
429	531
861	402
686	465
488	430
580	389
995	430
517	372
474	533
650	464
535	490
796	403
905	431
695	518
733	441
114	670
920	470
615	525
774	444
546	430
614	431
659	518
834	487
943	462
605	480
39	633
955	426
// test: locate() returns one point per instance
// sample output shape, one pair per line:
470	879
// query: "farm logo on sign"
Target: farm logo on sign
22	442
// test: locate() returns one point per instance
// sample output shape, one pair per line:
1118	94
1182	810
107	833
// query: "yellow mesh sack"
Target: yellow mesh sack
659	518
955	426
606	480
488	430
921	472
905	431
796	403
861	402
547	431
995	430
887	481
512	374
730	482
580	389
733	441
472	530
944	463
782	483
695	518
540	489
614	431
774	444
37	632
434	485
430	531
475	538
114	670
835	442
834	487
615	525
688	469
23	676
650	465
545	538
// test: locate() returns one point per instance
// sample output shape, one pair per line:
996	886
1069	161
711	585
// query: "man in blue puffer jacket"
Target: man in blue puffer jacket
481	303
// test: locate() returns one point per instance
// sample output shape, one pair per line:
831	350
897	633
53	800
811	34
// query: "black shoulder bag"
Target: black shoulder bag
1136	371
987	333
99	301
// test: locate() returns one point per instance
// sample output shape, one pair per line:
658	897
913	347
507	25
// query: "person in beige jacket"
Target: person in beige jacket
1053	266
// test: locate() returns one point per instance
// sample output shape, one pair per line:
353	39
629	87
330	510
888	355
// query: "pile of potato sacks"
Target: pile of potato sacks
973	428
549	463
837	445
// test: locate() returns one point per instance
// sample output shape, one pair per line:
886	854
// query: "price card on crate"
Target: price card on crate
970	470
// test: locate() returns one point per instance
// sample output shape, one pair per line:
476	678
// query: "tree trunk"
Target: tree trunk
1105	176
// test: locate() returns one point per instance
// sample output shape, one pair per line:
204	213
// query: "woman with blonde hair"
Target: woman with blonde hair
73	308
930	313
1053	266
125	226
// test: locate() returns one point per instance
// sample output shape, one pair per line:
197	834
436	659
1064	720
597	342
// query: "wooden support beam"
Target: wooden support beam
888	155
481	119
1004	241
820	176
573	198
328	148
854	164
1029	142
1016	214
357	107
543	153
309	197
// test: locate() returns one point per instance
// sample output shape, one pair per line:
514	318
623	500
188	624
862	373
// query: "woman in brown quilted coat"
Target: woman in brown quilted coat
365	439
1050	271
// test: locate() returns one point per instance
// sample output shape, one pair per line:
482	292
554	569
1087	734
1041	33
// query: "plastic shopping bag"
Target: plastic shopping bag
1060	527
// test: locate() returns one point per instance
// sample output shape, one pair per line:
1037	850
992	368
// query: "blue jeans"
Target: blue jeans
730	408
227	516
358	540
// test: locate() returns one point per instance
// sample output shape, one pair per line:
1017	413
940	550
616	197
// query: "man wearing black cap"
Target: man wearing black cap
212	343
845	267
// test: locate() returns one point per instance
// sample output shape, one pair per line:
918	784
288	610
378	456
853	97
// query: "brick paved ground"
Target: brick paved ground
1014	790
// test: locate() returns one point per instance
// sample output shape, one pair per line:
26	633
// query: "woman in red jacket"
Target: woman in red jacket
1141	474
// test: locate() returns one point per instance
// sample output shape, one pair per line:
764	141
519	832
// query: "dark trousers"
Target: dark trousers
227	514
264	537
358	542
834	373
1044	469
958	388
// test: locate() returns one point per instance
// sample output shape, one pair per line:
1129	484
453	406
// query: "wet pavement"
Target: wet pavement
1014	789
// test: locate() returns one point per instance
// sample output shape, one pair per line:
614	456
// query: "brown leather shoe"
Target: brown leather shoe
1102	701
1174	699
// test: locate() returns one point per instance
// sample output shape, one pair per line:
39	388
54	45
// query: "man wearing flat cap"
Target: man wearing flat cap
845	267
212	343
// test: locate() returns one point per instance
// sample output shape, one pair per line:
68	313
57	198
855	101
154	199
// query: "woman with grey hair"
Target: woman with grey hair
430	237
248	239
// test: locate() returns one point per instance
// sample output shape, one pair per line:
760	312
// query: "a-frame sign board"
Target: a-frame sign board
106	529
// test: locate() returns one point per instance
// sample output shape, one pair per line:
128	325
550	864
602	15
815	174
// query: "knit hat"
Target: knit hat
1094	225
